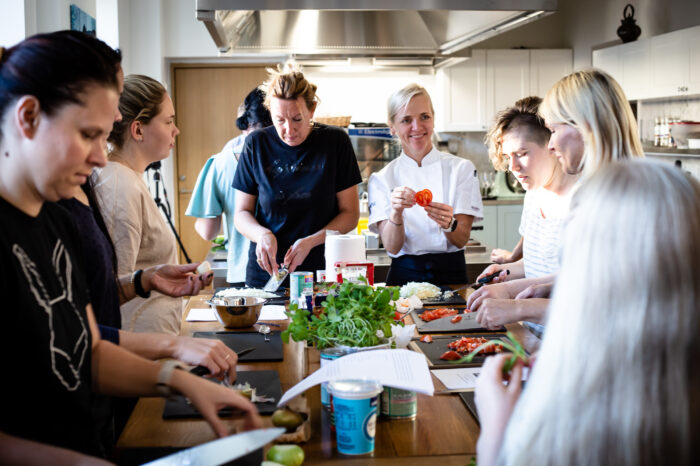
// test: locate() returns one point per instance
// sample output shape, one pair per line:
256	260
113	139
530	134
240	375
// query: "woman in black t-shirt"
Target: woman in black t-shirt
53	133
294	181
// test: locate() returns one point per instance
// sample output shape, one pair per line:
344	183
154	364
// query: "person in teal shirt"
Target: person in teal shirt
213	194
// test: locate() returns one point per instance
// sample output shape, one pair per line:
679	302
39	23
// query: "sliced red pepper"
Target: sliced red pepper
426	339
450	356
397	315
424	197
456	319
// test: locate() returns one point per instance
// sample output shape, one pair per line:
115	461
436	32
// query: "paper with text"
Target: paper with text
463	378
398	368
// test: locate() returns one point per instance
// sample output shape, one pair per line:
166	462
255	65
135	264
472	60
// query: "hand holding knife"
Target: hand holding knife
204	370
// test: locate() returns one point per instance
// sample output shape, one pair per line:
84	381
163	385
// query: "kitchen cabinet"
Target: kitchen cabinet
462	95
471	93
500	226
507	79
666	65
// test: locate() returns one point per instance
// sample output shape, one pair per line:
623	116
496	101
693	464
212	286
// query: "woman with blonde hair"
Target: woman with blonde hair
614	381
518	141
592	125
295	180
142	239
425	243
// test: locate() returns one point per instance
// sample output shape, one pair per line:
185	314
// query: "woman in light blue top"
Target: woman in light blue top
213	194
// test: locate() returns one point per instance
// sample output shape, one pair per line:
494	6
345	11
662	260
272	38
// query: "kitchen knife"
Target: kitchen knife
444	323
222	450
487	279
203	370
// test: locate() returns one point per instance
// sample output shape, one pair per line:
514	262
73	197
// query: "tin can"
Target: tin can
328	355
298	281
399	404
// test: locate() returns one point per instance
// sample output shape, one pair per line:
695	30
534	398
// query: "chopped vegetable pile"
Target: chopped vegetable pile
356	315
511	344
438	314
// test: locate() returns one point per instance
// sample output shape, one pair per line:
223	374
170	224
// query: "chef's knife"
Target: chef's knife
444	323
222	450
487	279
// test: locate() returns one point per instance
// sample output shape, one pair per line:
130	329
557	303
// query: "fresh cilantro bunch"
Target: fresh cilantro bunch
353	315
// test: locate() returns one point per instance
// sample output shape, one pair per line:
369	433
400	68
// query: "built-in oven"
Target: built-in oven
374	147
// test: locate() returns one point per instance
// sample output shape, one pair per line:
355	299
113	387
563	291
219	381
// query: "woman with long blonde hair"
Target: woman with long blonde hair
615	380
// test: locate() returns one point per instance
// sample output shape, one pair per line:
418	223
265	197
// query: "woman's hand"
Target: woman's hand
536	291
493	268
209	398
266	252
495	291
493	313
501	256
213	354
440	213
495	403
175	280
297	253
402	198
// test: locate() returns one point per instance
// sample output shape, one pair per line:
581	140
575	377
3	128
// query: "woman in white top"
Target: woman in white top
141	237
425	243
518	142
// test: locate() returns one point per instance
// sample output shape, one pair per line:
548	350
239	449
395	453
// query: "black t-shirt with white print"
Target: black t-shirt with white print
46	342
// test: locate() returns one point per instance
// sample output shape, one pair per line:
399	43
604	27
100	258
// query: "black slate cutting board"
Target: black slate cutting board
468	399
434	350
454	300
444	325
266	383
237	341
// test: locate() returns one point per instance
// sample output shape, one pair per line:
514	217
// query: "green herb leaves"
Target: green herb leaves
356	315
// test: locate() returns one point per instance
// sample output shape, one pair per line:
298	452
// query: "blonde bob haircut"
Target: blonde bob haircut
288	82
594	104
140	101
521	116
400	99
616	379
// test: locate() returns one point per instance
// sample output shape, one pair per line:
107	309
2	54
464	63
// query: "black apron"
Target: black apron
447	268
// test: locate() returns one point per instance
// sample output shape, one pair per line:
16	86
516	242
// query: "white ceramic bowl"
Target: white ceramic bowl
680	131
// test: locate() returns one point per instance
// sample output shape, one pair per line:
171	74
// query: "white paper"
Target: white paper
397	368
463	378
273	312
201	315
458	379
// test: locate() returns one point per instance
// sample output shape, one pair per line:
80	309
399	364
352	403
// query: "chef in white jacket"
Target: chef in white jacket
425	243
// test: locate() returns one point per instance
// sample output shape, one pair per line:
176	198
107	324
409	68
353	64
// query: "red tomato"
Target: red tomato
424	197
397	315
450	356
426	339
456	319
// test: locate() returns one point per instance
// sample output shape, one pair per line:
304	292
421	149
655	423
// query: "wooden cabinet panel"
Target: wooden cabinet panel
462	94
507	79
670	58
508	225
547	67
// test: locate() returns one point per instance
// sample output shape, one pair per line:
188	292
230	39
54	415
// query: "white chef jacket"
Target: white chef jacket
451	179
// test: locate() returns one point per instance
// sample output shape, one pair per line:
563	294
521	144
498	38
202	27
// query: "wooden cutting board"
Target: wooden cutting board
444	325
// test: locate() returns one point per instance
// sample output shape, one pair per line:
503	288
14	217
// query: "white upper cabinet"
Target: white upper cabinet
507	79
662	66
670	57
471	93
547	67
462	95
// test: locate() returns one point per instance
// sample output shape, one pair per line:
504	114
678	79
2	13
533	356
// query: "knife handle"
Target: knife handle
490	277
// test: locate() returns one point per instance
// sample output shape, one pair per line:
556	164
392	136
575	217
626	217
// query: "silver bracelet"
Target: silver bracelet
164	376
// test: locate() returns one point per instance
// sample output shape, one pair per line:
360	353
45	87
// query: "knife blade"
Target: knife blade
203	370
276	280
222	450
467	322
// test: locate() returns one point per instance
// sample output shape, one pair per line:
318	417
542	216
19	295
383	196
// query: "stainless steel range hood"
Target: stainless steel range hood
387	32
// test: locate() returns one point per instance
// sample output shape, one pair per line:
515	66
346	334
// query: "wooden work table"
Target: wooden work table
443	428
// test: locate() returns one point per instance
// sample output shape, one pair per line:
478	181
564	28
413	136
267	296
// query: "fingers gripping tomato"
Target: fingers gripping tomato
424	197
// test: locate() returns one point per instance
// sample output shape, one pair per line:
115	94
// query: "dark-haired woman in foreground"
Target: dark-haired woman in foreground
53	134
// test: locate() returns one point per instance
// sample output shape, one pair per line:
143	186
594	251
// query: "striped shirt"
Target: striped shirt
542	229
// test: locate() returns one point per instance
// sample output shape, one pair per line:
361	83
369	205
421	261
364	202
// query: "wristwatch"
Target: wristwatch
138	286
452	226
164	376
